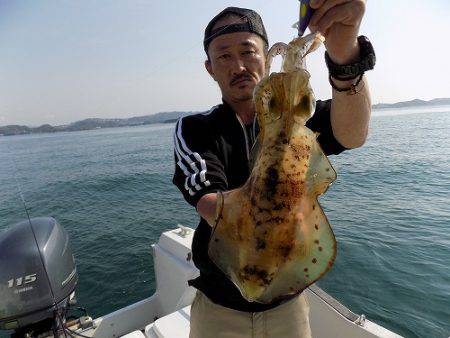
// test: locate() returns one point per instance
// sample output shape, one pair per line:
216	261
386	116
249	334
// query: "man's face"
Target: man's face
236	62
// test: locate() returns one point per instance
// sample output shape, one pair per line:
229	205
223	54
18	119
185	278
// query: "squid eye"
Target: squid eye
274	108
304	108
272	103
305	103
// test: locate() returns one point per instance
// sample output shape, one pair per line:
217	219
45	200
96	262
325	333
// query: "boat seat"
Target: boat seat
173	325
134	334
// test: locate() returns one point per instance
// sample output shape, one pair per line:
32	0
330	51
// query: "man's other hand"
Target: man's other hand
206	208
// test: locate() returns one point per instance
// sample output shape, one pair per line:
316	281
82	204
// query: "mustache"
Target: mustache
237	78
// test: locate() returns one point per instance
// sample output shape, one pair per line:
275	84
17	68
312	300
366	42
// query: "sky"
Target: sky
63	61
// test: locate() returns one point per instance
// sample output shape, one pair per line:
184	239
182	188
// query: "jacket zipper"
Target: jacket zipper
245	136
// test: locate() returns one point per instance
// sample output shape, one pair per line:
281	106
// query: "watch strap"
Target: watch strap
351	71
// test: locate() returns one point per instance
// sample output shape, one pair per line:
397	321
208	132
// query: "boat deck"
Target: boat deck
166	314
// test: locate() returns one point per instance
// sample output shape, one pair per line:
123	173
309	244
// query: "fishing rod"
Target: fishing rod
38	277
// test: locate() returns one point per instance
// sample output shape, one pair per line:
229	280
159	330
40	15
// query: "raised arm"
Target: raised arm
339	21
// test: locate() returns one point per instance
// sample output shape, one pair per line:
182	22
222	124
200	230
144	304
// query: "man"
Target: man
212	150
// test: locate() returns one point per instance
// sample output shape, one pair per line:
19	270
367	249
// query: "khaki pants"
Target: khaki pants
288	320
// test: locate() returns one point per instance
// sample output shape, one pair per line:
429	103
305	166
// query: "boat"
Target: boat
166	313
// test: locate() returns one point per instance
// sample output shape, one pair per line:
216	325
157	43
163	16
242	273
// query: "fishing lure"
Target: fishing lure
305	15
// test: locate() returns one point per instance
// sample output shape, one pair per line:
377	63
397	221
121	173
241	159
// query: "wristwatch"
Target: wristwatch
366	61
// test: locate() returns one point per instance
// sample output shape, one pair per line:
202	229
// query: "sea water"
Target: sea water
389	208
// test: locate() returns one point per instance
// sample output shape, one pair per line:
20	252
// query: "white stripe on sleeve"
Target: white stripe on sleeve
184	152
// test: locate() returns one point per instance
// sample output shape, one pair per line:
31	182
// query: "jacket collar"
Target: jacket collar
232	122
232	115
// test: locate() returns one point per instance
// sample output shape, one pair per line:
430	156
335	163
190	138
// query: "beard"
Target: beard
245	97
244	93
238	92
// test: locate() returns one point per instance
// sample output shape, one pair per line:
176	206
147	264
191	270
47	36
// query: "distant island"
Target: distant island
95	123
413	103
168	117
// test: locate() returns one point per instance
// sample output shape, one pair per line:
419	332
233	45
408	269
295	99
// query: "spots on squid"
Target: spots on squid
285	249
278	206
260	244
293	174
316	226
305	269
261	210
249	272
271	181
320	248
277	220
314	260
316	241
216	240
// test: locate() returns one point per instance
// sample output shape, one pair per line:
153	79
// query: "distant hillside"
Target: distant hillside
413	103
167	117
95	123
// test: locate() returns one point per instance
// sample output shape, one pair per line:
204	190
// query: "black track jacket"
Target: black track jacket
212	153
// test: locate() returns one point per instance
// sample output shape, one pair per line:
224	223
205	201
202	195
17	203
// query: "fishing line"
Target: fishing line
56	311
175	59
192	47
24	204
163	66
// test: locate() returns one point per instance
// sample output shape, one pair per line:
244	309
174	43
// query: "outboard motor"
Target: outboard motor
38	277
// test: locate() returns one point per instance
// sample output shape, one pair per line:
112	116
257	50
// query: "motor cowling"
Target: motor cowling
37	272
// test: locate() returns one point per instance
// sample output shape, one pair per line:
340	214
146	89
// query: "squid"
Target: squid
271	237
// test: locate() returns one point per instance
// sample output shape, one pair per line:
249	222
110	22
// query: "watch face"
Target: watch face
366	46
362	39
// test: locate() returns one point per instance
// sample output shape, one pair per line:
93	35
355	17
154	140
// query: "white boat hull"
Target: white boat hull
166	313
